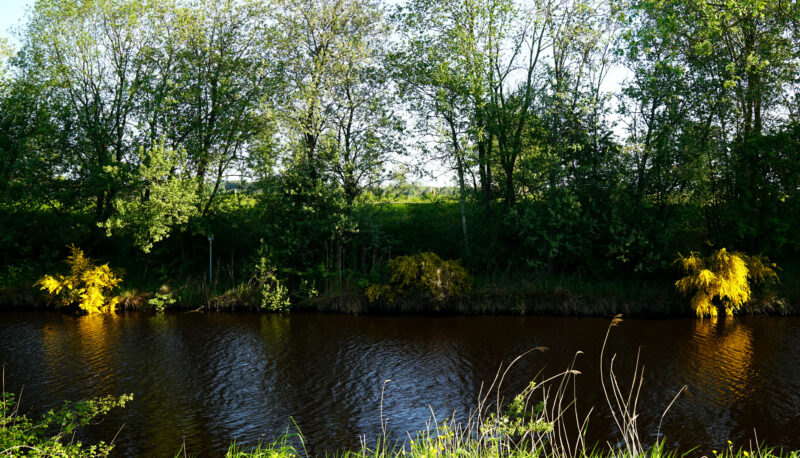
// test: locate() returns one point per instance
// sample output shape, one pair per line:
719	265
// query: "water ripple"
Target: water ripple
213	378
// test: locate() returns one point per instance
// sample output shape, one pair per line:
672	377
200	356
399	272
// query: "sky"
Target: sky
11	13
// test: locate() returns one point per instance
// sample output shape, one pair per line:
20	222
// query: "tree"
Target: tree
30	142
444	75
211	73
734	68
322	47
743	46
517	55
365	127
91	53
669	135
581	36
116	77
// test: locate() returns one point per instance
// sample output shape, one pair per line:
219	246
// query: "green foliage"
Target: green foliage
280	448
87	285
161	197
724	276
16	274
428	447
6	52
162	299
307	222
546	230
424	272
52	435
398	224
375	292
330	104
163	121
273	294
520	418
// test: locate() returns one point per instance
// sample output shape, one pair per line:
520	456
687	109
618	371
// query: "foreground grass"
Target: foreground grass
429	447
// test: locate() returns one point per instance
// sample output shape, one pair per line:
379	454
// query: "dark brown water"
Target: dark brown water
210	379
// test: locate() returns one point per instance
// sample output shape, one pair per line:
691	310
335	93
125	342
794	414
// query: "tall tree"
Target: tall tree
475	64
364	124
212	70
738	59
743	45
365	130
320	44
432	81
31	141
91	52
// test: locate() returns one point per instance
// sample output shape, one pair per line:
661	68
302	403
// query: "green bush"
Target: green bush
423	272
273	294
22	436
162	299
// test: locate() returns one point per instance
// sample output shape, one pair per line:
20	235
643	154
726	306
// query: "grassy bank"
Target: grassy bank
429	447
564	295
175	275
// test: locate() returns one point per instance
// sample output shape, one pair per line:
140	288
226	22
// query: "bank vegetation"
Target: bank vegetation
264	153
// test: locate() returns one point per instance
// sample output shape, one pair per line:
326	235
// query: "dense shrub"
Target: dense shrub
272	293
422	272
723	276
87	285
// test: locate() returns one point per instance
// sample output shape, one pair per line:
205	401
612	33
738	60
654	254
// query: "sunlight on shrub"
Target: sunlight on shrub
163	298
87	285
426	272
53	434
724	276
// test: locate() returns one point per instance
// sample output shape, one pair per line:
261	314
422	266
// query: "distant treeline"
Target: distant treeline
288	129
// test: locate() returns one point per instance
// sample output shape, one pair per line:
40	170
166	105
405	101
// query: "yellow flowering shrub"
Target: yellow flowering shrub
375	292
426	272
724	276
87	285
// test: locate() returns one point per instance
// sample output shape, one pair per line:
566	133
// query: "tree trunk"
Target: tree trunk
485	173
462	201
510	194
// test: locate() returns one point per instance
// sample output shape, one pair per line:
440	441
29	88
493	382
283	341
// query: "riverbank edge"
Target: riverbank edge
553	297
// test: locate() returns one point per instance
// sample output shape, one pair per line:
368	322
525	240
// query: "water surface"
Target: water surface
209	379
